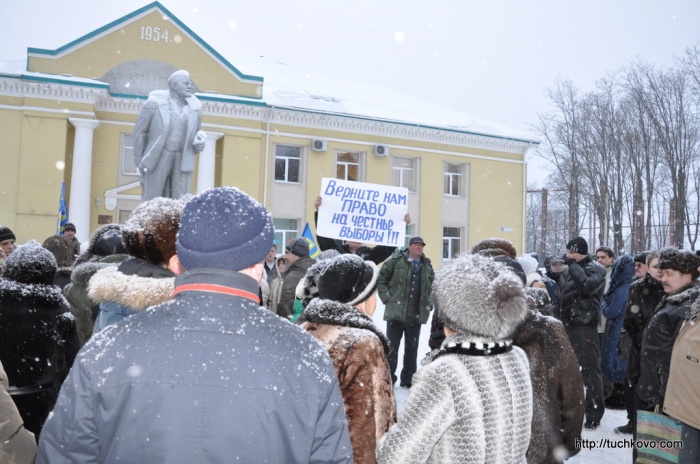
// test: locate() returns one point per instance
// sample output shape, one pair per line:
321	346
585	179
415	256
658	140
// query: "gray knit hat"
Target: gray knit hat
475	295
224	228
298	246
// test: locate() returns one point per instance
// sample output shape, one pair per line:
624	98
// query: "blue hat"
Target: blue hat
224	228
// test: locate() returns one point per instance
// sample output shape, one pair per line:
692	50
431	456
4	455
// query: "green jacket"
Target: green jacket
395	282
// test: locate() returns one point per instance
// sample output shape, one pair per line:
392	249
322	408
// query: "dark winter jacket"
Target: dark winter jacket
581	290
292	276
38	342
377	254
205	377
644	296
613	307
132	287
358	351
557	387
395	285
657	342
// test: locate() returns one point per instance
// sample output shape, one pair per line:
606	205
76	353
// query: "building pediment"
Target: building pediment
136	53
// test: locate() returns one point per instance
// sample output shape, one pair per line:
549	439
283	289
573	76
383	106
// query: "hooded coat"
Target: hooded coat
252	387
38	337
358	351
613	307
130	288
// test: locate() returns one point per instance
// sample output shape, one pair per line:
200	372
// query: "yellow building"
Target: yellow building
69	114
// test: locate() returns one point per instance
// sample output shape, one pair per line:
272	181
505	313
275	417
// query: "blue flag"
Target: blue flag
62	210
313	248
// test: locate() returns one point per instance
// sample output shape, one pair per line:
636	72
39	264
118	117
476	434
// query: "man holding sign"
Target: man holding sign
357	212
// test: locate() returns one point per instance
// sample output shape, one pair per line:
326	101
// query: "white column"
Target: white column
81	175
206	169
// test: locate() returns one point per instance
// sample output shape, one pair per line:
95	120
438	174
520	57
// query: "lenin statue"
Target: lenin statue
166	137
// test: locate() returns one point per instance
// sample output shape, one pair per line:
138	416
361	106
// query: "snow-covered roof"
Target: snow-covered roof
286	87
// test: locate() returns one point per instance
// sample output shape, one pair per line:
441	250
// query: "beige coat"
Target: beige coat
17	444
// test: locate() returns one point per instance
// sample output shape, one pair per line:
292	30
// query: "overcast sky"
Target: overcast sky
491	59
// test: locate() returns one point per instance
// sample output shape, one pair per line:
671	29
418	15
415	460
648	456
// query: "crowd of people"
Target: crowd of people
182	336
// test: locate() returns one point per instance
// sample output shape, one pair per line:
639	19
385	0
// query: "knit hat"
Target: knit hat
224	228
495	247
476	295
69	226
528	263
30	264
151	230
298	246
578	245
347	279
6	234
683	261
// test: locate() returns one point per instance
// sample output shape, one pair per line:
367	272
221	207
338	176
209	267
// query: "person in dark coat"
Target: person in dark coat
38	337
582	285
613	307
209	376
104	249
679	279
644	296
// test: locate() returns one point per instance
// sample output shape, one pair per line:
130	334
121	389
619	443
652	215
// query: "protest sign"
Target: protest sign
362	212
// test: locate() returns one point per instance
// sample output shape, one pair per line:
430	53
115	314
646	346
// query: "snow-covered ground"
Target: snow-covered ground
611	419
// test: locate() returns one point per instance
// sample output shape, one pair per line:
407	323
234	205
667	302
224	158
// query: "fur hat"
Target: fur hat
641	257
514	266
683	261
578	245
224	228
151	230
299	247
476	295
495	247
69	226
30	264
347	279
6	234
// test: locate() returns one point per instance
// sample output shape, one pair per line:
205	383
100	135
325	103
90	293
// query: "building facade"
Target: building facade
68	116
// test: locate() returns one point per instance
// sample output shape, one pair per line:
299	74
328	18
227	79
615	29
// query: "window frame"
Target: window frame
287	164
288	234
126	151
450	240
455	179
413	187
360	164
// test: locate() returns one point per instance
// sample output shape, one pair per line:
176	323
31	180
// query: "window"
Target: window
285	231
127	154
451	242
452	176
403	173
347	165
287	164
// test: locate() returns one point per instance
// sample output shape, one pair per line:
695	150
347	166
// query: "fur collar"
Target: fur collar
132	291
334	313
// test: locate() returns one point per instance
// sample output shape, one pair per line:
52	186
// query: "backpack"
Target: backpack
682	400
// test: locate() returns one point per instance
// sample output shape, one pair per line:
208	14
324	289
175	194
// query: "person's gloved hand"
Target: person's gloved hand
569	261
